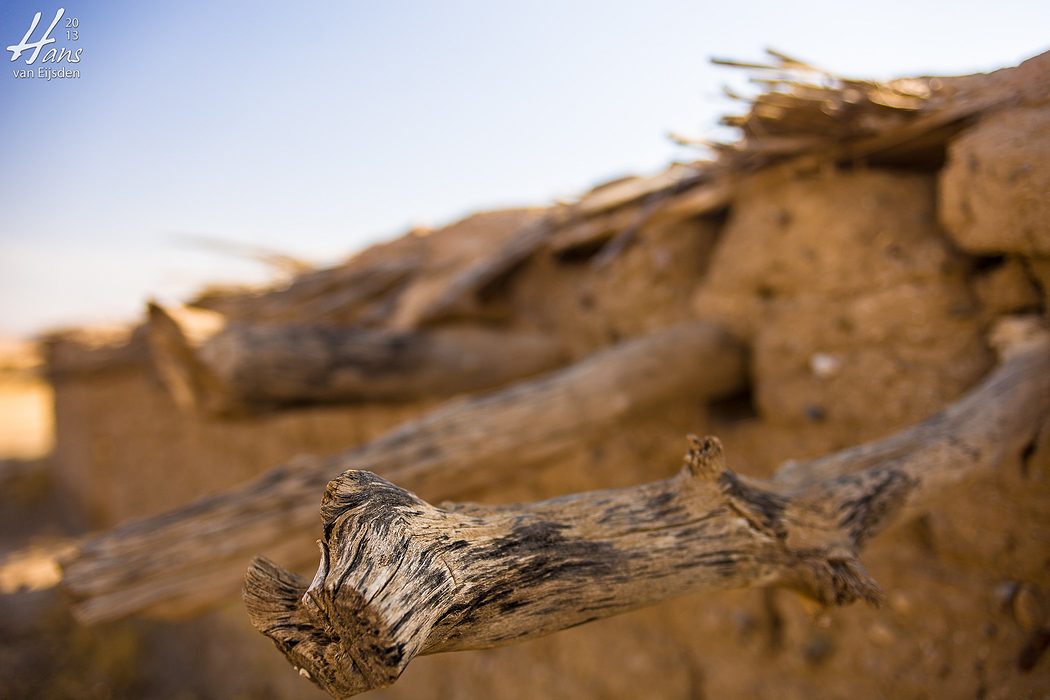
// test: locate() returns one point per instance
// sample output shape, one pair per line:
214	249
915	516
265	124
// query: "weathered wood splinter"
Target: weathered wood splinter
399	577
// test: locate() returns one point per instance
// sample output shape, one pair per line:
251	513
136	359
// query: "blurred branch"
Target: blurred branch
240	367
181	561
278	261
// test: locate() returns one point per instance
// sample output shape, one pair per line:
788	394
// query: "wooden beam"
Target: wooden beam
254	367
181	561
399	577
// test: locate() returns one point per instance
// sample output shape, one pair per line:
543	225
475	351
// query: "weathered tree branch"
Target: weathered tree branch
399	577
351	291
186	559
460	295
248	367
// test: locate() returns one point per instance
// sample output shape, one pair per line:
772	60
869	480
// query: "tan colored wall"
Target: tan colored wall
125	450
848	264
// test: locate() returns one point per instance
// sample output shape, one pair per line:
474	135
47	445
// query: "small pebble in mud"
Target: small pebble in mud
745	624
818	648
900	603
662	258
814	412
1005	592
824	365
1028	608
881	634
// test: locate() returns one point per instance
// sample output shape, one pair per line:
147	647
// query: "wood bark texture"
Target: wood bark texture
254	367
181	561
399	577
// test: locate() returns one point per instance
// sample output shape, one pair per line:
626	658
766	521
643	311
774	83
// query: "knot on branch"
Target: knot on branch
705	458
822	565
763	509
367	498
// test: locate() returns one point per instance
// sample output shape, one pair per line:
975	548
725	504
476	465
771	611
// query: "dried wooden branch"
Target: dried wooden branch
461	295
277	260
248	367
184	560
399	577
631	190
348	292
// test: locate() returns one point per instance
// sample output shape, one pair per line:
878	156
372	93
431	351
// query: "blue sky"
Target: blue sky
316	130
